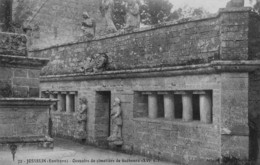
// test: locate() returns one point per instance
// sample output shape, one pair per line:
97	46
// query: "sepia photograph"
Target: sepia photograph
129	82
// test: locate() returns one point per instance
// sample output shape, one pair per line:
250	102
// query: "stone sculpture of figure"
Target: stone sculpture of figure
106	9
116	116
82	118
97	63
88	26
132	15
235	3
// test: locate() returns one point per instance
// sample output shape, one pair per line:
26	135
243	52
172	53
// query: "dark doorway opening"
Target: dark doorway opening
102	117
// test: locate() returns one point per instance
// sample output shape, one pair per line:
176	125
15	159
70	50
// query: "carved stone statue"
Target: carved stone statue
97	63
116	116
235	3
106	9
88	26
82	118
132	15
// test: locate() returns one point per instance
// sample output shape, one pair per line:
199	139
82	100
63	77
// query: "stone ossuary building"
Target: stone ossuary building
189	90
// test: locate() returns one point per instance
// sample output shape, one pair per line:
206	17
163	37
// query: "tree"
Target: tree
187	12
119	13
151	12
257	6
155	11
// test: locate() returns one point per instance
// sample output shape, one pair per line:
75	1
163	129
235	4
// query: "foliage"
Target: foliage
155	12
187	12
119	13
257	6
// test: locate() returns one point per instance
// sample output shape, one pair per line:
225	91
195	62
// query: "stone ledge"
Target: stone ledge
209	68
25	139
11	102
63	113
235	9
17	61
152	27
175	122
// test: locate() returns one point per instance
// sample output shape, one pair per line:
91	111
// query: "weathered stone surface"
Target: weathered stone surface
26	82
230	147
5	73
21	92
20	72
34	92
57	21
224	37
33	73
149	60
146	136
22	119
13	44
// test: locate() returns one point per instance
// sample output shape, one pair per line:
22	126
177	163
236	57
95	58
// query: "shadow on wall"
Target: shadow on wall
253	140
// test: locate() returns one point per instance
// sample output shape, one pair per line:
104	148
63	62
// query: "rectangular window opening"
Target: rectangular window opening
160	106
63	102
72	106
196	106
178	106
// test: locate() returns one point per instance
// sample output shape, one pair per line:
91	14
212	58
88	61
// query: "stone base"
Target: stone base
80	135
118	142
26	143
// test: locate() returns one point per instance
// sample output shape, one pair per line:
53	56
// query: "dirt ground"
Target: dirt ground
67	152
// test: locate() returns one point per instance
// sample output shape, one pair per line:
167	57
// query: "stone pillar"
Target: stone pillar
68	103
59	102
187	113
169	111
205	107
5	14
152	106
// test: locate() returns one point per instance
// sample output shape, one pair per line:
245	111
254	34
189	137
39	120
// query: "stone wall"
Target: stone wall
25	122
234	35
64	125
191	42
54	21
212	54
173	140
19	82
234	115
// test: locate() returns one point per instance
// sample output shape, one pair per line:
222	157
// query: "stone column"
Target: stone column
169	111
187	113
68	103
152	106
59	102
205	107
5	14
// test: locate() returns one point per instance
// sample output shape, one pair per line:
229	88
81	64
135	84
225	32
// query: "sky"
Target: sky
210	5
